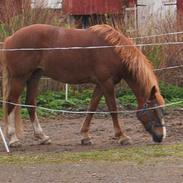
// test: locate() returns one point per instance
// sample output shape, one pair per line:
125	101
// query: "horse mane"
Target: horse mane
131	56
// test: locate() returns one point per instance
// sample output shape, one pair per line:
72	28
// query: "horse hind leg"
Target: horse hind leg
15	88
97	94
32	89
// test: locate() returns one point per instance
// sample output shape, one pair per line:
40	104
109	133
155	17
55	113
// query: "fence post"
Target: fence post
4	140
66	91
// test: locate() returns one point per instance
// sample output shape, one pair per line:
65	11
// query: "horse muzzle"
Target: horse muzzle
157	138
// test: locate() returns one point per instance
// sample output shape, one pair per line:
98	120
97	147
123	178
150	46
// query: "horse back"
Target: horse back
72	65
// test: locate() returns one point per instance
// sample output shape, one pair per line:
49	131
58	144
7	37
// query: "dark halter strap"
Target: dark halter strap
152	121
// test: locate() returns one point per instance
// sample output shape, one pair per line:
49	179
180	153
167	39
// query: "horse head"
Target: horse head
151	114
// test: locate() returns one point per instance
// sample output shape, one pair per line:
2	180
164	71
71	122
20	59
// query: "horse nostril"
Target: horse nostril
158	138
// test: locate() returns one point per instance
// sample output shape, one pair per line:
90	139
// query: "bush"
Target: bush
171	92
80	100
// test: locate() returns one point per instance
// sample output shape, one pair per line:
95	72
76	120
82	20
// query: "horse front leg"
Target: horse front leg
32	89
97	94
108	89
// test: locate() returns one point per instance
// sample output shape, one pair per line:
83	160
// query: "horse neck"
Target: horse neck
142	95
140	77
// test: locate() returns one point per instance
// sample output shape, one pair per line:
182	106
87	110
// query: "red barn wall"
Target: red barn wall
180	14
132	3
83	7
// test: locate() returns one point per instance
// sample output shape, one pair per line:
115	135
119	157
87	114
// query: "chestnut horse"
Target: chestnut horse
105	67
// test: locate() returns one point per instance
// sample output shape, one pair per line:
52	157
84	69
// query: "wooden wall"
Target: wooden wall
180	14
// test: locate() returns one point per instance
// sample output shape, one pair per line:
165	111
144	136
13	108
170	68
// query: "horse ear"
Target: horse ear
152	94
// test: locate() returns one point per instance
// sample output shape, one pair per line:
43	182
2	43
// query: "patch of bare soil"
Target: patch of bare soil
65	136
94	172
64	132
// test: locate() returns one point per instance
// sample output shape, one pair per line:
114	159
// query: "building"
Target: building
154	10
136	11
53	4
89	7
180	14
83	13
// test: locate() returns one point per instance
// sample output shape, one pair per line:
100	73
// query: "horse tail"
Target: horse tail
5	90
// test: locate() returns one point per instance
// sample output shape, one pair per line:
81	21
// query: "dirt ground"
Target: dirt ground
64	132
65	136
93	172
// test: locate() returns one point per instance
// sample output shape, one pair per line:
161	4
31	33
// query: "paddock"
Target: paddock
105	160
64	132
47	159
65	136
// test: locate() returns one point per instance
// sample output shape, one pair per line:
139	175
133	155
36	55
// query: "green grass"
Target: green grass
79	100
171	92
139	155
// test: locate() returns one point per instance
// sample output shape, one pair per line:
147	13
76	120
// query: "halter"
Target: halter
151	120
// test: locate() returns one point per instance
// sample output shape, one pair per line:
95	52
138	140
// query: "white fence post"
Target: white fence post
4	140
66	91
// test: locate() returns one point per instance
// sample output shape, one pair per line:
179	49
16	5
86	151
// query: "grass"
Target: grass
79	100
139	155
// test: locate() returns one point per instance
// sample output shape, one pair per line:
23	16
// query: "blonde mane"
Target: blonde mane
132	57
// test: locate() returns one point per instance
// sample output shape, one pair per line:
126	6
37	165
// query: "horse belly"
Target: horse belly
73	70
70	77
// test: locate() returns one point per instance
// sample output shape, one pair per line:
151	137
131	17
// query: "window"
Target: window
54	4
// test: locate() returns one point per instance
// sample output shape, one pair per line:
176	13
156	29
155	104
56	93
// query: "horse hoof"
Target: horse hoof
86	141
125	140
46	141
15	144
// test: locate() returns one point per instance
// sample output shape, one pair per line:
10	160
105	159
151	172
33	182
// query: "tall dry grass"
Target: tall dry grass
164	55
15	18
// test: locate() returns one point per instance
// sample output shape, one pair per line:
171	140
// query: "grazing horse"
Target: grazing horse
105	67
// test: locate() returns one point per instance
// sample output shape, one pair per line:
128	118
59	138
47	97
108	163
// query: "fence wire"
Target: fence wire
89	112
100	47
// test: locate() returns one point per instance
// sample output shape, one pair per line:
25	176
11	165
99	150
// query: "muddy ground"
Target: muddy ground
64	132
